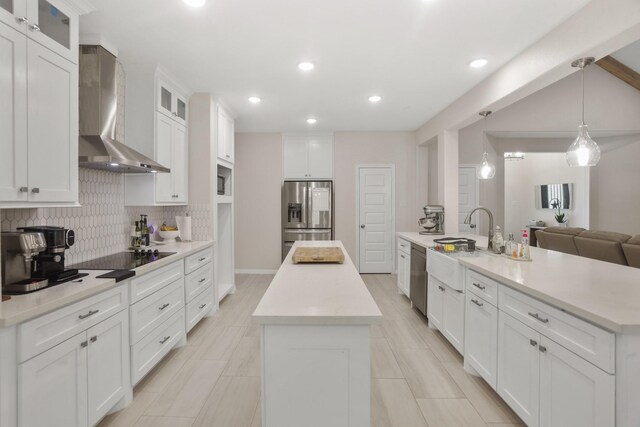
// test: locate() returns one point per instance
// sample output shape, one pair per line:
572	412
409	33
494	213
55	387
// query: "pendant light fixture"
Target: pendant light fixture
583	151
487	170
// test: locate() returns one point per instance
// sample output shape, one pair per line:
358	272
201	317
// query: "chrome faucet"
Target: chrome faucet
467	220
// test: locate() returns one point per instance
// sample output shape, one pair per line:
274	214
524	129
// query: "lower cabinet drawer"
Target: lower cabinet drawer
150	312
197	260
149	283
152	348
584	339
199	307
49	330
482	286
198	281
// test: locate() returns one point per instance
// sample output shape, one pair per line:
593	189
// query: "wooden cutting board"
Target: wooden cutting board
318	255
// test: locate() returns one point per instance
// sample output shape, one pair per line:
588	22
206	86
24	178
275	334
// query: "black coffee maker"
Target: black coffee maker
49	264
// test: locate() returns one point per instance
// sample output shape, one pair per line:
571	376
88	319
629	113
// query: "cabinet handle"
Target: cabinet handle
533	342
165	339
537	317
402	256
89	314
479	286
34	27
163	306
24	189
202	259
542	349
202	306
441	288
83	344
476	302
35	190
22	20
93	338
202	280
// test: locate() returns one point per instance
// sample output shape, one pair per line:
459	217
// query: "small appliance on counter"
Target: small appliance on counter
433	221
33	258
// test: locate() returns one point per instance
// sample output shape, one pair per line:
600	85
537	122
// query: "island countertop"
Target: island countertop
304	294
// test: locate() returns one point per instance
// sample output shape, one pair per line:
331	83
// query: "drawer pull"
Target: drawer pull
542	349
402	256
83	344
533	342
476	302
204	279
537	317
202	306
163	306
479	286
202	259
441	288
165	339
89	314
93	338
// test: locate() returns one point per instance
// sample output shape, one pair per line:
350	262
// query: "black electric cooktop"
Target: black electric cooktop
123	260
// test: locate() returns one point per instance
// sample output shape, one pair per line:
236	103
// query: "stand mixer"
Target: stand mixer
433	221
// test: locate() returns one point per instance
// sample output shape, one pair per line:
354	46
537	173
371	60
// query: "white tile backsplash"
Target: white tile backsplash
102	222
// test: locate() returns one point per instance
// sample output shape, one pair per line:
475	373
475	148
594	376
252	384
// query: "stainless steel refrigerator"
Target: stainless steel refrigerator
307	212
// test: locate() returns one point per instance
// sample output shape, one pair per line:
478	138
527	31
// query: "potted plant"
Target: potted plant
561	217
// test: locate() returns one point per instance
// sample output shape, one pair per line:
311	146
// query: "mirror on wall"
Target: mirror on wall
554	196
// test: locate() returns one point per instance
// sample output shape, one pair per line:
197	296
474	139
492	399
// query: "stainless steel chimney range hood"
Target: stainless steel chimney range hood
98	147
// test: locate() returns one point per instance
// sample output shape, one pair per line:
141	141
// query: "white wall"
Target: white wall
521	177
615	191
258	174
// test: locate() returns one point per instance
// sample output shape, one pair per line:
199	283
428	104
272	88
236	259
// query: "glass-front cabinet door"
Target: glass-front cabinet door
14	14
54	26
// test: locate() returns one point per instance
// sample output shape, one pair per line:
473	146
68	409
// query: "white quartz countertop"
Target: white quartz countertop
426	240
21	308
603	293
317	293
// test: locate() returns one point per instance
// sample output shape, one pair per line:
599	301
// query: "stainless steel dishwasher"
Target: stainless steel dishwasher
418	280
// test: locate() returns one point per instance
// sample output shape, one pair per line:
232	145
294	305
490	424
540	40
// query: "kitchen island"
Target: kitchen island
315	340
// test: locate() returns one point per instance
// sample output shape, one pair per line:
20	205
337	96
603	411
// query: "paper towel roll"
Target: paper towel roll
184	227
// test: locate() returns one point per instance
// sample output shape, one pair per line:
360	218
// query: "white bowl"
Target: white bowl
168	235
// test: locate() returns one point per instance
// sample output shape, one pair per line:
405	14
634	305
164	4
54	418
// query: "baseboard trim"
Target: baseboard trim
255	271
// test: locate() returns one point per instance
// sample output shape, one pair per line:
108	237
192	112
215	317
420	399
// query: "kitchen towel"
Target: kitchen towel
184	227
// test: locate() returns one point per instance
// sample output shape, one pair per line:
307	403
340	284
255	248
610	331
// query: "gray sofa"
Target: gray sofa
606	246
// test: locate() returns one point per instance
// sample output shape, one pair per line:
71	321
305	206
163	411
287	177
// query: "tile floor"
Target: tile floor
214	381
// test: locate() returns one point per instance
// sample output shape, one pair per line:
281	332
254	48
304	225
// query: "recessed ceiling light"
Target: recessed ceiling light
478	63
254	99
306	66
311	121
195	3
375	98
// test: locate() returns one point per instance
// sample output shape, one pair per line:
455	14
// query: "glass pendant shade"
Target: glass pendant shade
583	151
487	170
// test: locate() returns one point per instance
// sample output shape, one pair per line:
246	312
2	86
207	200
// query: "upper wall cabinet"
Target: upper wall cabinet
159	133
51	23
39	112
307	156
226	135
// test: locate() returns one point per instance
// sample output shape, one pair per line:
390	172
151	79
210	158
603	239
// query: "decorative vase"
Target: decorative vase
563	224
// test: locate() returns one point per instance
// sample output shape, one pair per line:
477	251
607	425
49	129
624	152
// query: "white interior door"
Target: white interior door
375	219
467	196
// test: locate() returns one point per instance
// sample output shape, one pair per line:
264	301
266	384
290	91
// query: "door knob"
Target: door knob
362	226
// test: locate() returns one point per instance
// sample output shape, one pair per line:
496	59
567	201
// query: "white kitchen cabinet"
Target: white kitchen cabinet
307	156
52	387
170	102
79	380
107	365
159	133
573	392
226	135
435	303
453	317
11	12
519	368
404	266
481	338
39	123
13	115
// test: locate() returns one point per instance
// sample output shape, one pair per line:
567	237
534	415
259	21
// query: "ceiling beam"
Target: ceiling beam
620	70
